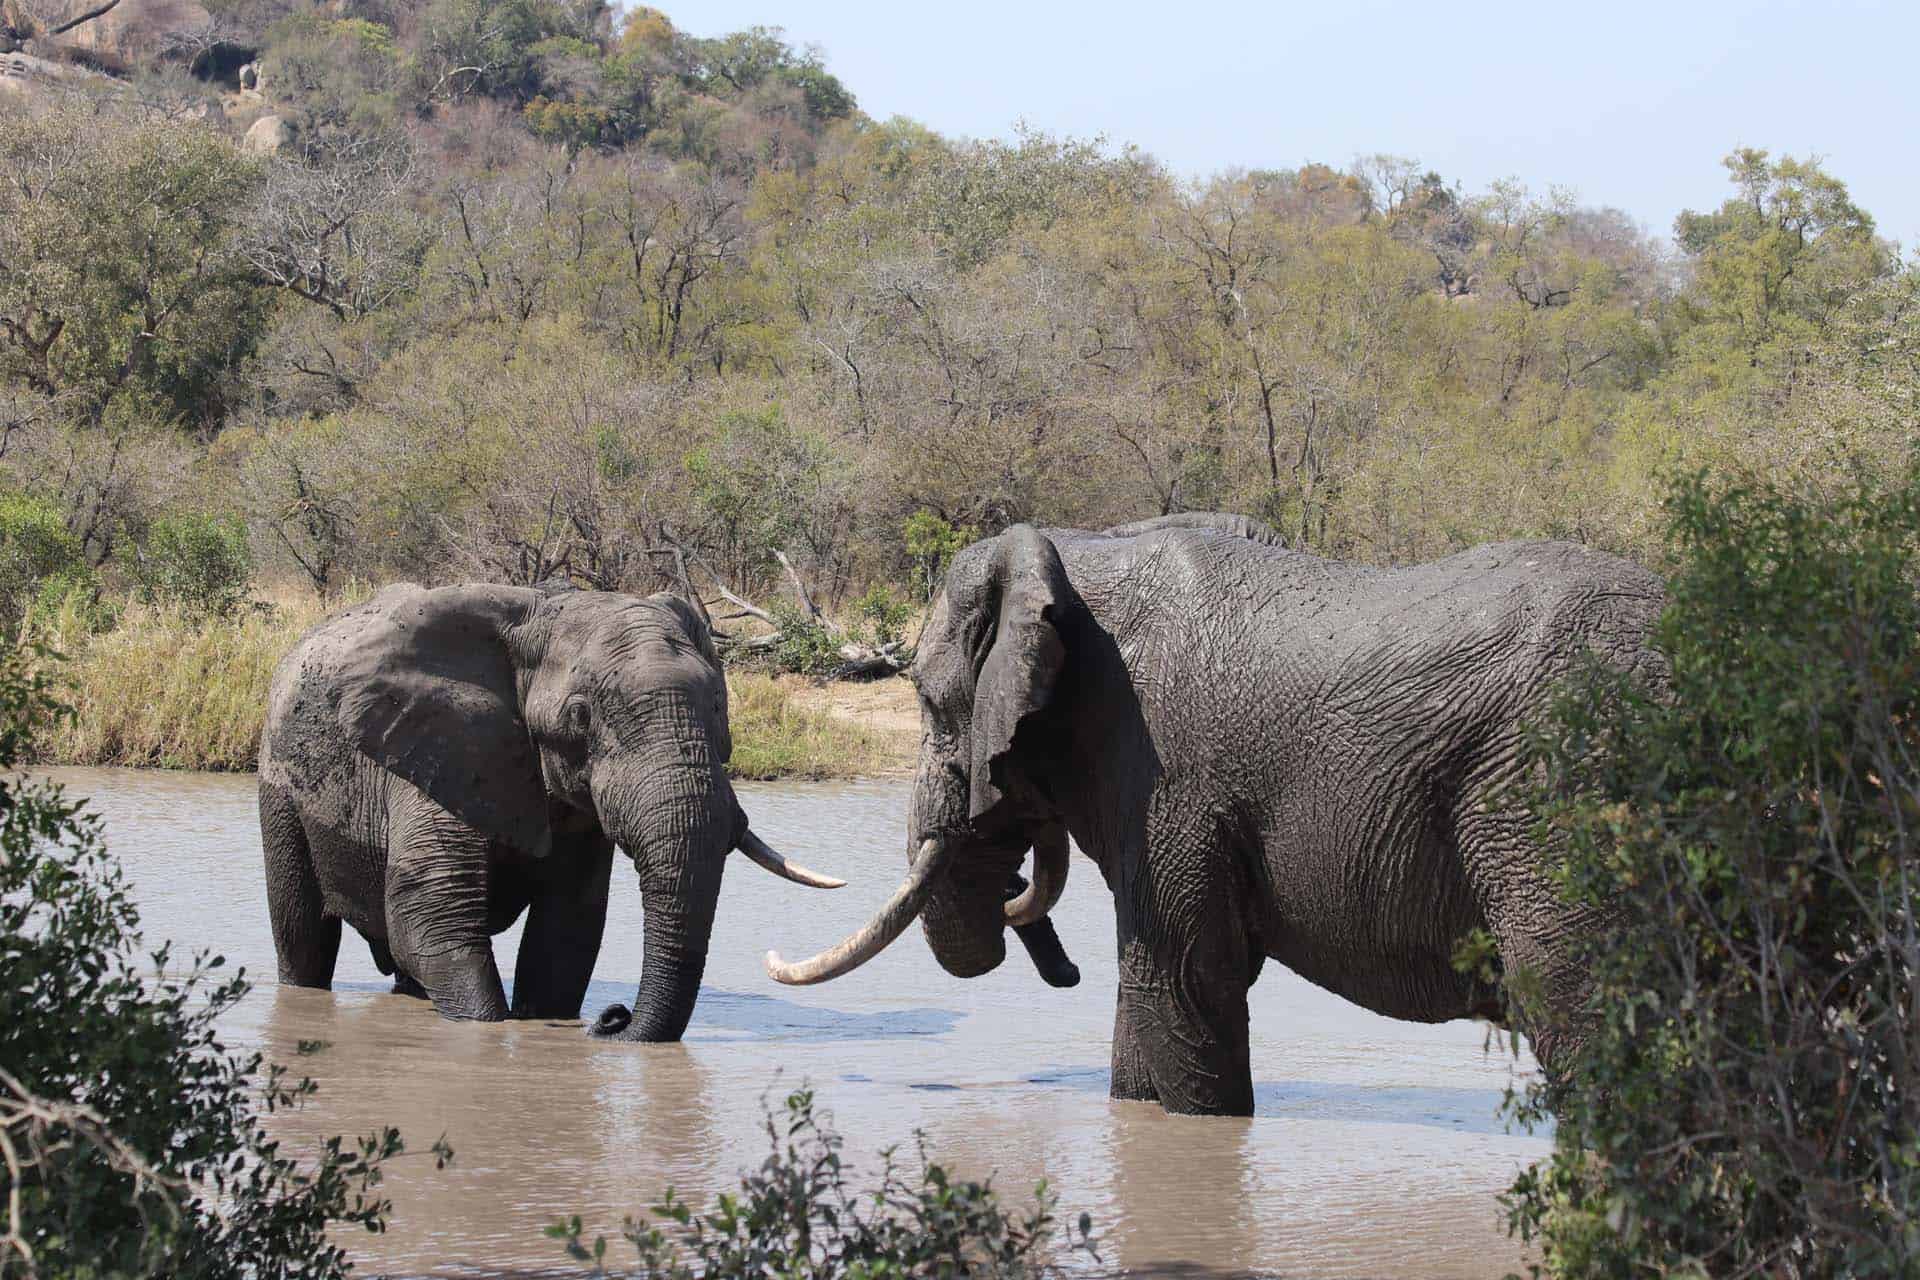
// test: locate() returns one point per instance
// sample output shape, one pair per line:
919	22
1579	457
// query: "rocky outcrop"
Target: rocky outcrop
21	73
131	31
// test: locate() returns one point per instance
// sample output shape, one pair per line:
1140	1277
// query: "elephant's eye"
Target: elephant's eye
577	717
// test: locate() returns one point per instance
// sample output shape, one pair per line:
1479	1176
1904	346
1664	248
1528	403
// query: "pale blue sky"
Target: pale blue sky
1630	103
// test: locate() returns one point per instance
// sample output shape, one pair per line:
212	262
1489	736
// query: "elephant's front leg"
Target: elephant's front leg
437	917
564	925
1182	1020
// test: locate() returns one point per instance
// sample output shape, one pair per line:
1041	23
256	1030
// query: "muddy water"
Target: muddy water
1375	1150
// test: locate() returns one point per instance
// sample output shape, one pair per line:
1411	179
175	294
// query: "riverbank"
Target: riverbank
160	690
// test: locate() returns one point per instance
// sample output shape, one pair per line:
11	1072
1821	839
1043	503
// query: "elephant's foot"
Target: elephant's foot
403	985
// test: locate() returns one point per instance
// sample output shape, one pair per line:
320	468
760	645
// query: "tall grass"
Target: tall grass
167	691
163	690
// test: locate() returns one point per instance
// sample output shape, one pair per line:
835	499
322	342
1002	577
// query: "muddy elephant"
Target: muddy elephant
438	761
1268	755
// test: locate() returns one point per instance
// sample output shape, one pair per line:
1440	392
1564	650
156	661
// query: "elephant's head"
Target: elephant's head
988	668
532	714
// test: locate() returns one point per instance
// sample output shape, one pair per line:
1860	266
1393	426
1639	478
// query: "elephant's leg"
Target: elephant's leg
1184	974
437	908
1132	1081
564	925
306	940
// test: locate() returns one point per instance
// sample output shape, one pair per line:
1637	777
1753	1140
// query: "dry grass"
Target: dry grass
164	691
777	735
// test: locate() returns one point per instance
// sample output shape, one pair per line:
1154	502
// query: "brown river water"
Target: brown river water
1376	1148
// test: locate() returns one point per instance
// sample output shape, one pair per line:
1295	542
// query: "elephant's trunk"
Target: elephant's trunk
675	956
677	823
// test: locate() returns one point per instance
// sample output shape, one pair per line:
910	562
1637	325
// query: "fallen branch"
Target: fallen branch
806	601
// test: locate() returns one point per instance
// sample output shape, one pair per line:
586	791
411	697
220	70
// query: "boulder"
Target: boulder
267	135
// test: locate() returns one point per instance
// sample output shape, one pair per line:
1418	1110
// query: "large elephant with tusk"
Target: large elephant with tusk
438	761
1268	755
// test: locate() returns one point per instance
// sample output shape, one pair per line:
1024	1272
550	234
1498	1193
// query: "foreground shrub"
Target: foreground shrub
1750	1100
799	1217
133	1141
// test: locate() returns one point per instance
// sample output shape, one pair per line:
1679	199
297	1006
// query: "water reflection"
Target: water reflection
1376	1148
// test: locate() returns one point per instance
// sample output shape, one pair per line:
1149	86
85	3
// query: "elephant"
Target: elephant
437	761
1268	755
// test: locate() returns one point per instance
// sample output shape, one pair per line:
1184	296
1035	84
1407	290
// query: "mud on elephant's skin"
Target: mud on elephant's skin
1268	755
436	762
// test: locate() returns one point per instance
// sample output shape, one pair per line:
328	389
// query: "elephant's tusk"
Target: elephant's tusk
1049	878
886	925
756	849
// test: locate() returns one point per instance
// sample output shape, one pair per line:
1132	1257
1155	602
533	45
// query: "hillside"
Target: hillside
521	288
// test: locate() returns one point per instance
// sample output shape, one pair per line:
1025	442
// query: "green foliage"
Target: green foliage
883	614
135	1141
764	485
805	648
125	294
932	542
1746	833
36	550
798	1216
196	563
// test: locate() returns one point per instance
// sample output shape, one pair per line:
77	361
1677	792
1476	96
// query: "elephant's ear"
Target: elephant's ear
1026	653
428	688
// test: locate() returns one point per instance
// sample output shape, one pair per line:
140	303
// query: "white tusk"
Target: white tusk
758	851
886	925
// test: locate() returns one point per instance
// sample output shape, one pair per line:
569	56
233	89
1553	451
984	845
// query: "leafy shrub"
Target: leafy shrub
35	547
883	614
806	648
1746	1104
134	1142
797	1217
69	604
932	542
198	564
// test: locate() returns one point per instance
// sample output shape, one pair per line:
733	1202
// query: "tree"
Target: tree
120	279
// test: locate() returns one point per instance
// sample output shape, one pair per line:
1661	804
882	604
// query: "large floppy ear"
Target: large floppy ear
428	689
1024	657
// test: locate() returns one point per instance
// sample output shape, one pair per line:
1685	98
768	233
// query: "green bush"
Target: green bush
932	542
134	1143
198	564
884	615
806	648
1749	1098
35	547
798	1218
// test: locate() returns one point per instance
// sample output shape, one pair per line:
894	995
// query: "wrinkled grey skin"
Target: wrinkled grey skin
1268	755
437	761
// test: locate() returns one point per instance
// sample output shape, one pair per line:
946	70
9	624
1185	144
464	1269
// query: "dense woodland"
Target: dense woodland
519	288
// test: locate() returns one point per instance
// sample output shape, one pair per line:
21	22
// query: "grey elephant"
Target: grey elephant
437	761
1268	755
